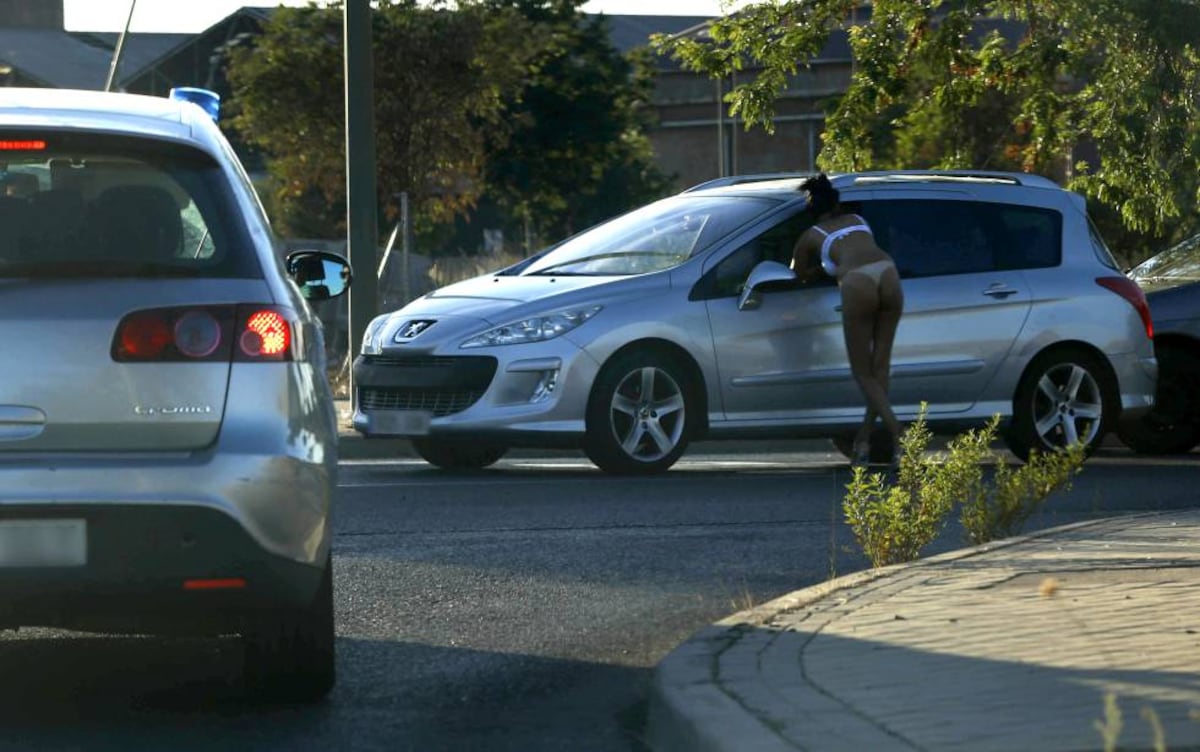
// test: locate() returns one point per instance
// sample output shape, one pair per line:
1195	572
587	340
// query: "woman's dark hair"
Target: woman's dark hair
822	196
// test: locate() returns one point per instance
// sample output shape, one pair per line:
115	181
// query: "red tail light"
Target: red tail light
32	144
264	333
205	334
217	583
1129	290
144	335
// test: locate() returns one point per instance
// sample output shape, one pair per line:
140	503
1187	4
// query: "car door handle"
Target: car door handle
999	291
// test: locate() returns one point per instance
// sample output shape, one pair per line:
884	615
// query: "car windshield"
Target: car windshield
1180	262
653	238
75	204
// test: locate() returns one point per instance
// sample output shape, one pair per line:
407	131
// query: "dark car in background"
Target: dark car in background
1171	281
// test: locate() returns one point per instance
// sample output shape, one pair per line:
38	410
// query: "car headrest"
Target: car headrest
136	222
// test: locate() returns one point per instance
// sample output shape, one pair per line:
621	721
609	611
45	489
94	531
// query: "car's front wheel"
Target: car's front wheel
1065	397
1173	426
458	454
289	653
638	414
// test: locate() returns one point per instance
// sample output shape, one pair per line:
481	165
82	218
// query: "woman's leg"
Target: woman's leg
887	319
860	324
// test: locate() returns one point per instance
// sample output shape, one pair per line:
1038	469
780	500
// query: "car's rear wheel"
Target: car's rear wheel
638	414
457	454
1173	426
1066	395
289	653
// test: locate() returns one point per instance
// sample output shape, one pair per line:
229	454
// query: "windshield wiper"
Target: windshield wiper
600	257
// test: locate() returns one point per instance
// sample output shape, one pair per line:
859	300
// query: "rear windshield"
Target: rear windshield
95	205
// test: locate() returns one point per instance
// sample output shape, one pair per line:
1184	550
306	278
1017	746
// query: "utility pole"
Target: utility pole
361	218
116	59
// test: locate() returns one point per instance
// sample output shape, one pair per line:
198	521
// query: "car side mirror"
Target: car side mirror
320	275
761	274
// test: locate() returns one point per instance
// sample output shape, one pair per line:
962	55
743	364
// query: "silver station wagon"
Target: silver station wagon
167	436
680	320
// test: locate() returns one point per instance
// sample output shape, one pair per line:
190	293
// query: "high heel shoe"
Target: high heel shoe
862	454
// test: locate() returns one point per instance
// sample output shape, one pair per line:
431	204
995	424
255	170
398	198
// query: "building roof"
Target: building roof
80	60
630	32
73	60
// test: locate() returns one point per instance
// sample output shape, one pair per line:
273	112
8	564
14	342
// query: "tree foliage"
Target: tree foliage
578	153
442	77
1102	94
522	103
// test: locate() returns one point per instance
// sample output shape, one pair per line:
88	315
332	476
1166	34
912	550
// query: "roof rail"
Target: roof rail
739	179
956	176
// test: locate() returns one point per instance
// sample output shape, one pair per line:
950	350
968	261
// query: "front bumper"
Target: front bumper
532	395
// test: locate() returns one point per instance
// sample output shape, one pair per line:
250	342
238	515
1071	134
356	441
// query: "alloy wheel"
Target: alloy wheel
647	414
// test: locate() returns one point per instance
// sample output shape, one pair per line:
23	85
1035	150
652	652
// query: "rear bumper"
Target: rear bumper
153	569
154	521
1137	377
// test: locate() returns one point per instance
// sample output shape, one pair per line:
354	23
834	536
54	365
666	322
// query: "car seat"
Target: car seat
135	223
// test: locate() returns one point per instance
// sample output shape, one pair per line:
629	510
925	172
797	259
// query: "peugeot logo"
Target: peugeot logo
412	329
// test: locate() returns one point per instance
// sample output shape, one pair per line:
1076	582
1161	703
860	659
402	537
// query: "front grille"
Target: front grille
436	402
417	361
441	385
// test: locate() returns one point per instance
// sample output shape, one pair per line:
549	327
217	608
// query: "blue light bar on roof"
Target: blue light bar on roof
209	101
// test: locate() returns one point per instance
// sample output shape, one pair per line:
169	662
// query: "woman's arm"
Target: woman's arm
804	255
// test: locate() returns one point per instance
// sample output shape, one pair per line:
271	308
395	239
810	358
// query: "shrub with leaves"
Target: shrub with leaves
1015	494
893	522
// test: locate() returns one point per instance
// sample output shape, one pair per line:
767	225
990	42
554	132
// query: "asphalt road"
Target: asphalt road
522	608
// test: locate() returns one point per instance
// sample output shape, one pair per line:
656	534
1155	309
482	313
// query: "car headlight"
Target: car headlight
534	328
371	342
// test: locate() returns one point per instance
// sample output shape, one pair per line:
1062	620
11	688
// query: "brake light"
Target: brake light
217	583
1129	290
205	334
265	334
26	145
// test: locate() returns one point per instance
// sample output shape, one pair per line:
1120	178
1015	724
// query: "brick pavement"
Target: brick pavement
1010	646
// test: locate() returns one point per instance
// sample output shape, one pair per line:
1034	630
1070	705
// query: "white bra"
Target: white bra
827	262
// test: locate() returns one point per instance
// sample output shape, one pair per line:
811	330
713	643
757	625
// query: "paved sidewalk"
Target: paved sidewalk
1010	646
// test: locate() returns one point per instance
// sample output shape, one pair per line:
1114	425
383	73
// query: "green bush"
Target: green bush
1013	495
893	521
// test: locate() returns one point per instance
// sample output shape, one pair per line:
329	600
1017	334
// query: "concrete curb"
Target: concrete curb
689	710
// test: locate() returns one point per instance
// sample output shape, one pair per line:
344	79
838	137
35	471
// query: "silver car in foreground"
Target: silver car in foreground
167	436
680	320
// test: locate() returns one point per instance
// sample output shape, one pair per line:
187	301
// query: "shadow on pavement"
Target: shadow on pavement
78	692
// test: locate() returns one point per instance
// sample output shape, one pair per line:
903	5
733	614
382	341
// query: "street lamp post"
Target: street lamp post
361	219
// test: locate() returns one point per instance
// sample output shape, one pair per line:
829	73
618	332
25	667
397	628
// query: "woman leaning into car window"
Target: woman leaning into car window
843	246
